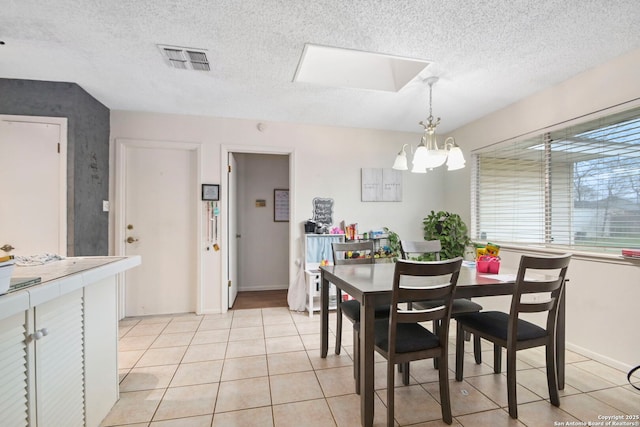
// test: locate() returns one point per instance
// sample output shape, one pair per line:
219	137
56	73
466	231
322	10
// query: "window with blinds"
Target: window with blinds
575	187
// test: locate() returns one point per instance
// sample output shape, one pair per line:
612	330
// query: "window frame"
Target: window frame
544	135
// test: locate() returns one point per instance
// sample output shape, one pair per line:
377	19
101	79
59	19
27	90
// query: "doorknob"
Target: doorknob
131	239
7	248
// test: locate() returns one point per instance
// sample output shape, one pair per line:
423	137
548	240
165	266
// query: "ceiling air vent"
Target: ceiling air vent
185	58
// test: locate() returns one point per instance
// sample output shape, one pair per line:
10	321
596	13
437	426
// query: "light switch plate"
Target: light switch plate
105	206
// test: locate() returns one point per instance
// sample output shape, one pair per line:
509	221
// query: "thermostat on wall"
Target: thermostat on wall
210	192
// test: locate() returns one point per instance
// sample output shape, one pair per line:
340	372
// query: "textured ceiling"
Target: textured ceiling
488	54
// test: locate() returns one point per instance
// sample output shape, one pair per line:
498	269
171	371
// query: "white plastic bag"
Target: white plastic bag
297	295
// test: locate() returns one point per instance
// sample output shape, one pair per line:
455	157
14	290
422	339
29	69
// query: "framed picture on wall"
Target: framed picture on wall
210	192
281	205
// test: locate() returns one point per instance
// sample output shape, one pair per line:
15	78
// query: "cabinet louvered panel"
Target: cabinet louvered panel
60	362
13	371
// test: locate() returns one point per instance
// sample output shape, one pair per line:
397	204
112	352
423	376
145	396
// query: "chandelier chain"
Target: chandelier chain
430	101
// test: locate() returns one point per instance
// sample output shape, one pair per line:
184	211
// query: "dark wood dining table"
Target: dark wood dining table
371	285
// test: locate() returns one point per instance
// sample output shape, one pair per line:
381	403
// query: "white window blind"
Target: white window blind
575	187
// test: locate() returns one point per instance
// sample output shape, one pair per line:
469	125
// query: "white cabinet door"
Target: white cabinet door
59	361
13	371
100	349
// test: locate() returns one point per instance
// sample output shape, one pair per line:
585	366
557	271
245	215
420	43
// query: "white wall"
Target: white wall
326	163
263	261
603	294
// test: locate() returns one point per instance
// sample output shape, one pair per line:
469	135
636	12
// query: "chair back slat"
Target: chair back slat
366	260
552	272
538	286
415	316
364	248
537	307
408	247
414	293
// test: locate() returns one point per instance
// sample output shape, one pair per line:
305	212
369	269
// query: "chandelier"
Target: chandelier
428	155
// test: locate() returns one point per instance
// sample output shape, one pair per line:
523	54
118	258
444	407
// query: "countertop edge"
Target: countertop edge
27	298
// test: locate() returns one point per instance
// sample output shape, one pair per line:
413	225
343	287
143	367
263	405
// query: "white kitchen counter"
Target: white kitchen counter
59	278
64	331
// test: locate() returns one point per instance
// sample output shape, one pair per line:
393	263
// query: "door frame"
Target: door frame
121	145
62	177
224	203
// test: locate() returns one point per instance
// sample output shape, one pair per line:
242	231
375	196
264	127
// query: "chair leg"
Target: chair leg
355	354
405	373
511	384
497	358
445	398
390	392
477	349
356	359
338	326
552	373
459	351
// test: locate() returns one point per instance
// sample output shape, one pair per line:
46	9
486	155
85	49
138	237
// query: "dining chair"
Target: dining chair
408	248
351	308
401	338
538	288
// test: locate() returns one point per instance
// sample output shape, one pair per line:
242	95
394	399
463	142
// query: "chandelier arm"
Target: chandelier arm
402	149
449	143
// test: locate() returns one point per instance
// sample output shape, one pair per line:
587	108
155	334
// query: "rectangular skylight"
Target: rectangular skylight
333	66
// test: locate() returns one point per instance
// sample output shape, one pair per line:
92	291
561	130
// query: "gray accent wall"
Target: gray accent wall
88	123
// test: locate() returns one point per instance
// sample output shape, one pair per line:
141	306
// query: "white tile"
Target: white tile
187	401
244	367
245	348
203	352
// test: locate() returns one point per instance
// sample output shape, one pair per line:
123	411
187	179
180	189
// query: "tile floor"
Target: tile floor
261	367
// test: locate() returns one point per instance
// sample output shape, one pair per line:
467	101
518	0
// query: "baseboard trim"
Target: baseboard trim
263	288
599	357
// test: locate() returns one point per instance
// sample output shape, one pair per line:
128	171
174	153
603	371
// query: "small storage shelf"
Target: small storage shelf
317	247
378	244
313	292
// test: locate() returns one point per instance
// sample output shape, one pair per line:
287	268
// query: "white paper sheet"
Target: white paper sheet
500	277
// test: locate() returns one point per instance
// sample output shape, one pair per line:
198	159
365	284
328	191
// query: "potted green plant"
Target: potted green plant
394	242
450	229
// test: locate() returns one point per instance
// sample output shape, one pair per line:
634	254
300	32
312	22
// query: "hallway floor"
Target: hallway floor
261	367
260	299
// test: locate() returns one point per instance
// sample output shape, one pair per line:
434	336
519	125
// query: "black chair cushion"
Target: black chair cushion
409	337
495	323
459	306
351	310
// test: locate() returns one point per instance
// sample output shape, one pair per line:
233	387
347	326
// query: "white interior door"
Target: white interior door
234	233
33	170
160	225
